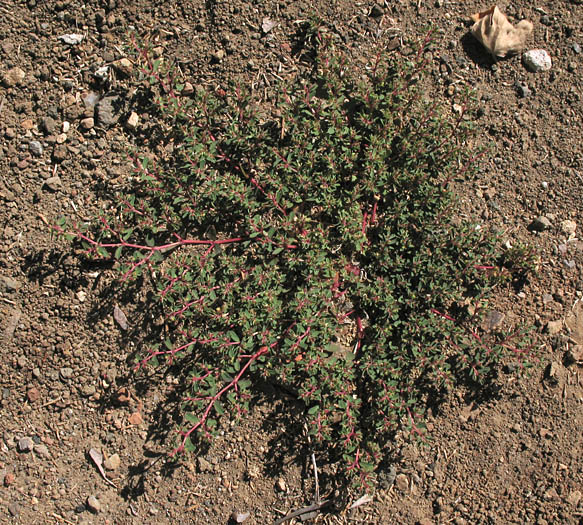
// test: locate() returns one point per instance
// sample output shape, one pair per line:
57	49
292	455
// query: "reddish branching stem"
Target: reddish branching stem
200	424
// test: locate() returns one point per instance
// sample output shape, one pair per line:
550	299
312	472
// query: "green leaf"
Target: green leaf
233	336
189	445
191	418
244	383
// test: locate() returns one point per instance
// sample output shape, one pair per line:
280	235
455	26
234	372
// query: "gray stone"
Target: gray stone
108	110
53	183
66	373
204	465
14	509
576	48
8	284
48	125
88	390
42	450
493	319
93	504
537	60
36	148
25	444
522	89
540	224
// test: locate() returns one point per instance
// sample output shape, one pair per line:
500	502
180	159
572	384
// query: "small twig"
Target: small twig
59	517
304	510
316	478
51	402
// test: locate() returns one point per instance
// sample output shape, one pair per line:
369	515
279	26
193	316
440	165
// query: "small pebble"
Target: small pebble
402	482
133	120
218	55
576	48
522	89
188	89
33	394
36	148
112	462
72	39
87	123
53	183
93	504
123	66
377	11
8	284
540	224
537	60
9	479
42	450
66	373
13	77
25	444
14	509
203	465
48	125
239	517
554	327
568	226
88	390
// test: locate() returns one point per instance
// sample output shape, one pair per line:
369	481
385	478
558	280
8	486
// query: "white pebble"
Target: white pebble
537	60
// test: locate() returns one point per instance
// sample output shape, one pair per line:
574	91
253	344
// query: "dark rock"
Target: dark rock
377	11
522	89
60	153
540	224
108	110
48	125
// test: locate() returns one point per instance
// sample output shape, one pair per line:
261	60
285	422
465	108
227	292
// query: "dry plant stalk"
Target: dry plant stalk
497	34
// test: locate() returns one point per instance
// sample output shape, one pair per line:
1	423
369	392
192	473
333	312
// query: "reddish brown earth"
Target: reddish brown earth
510	456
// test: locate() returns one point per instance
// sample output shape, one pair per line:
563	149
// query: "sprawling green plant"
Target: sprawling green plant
312	243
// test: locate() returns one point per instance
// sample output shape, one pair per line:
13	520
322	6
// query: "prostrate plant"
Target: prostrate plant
312	244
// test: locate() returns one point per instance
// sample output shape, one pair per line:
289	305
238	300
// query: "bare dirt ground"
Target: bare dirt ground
509	456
